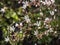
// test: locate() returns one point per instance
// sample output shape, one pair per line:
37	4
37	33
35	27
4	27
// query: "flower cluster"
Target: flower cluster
30	17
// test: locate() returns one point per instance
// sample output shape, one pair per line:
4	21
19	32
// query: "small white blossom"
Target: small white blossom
35	44
53	1
27	18
55	10
41	1
47	20
44	3
51	12
16	24
2	10
48	2
39	27
44	23
23	35
55	32
23	2
25	5
21	24
18	2
46	26
41	13
46	33
36	5
36	32
7	39
38	23
51	29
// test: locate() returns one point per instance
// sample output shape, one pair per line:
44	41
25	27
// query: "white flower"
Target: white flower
44	23
47	20
36	5
39	27
46	26
38	23
23	35
36	32
53	1
7	39
21	24
48	2
41	1
16	24
18	2
51	29
35	44
55	32
25	5
46	33
23	2
44	3
27	18
51	12
55	10
41	13
2	10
